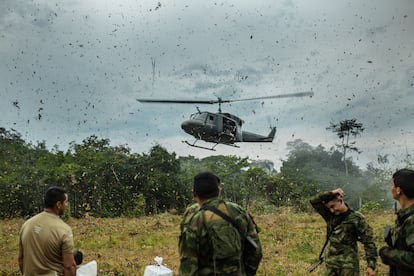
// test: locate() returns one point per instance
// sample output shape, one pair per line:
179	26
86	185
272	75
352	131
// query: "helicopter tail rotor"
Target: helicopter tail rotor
272	133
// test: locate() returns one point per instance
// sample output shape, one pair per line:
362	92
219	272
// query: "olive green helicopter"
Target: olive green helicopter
221	127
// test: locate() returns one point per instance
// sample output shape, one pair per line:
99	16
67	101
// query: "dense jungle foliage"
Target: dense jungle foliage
111	181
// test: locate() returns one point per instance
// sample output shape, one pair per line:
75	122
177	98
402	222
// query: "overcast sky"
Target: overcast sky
72	69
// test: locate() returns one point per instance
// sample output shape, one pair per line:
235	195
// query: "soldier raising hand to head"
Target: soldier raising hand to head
345	228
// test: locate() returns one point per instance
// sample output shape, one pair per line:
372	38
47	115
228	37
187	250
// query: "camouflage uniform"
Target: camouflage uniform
197	256
400	255
341	254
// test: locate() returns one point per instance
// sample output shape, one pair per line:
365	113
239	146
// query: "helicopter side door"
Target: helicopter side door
213	126
229	129
210	120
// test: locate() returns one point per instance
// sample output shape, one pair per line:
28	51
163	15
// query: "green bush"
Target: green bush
139	206
369	207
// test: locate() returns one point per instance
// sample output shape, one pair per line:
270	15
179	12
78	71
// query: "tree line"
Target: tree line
111	181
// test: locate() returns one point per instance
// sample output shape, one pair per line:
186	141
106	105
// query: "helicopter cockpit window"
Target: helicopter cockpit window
198	116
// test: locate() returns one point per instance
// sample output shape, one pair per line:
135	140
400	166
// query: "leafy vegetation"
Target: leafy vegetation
111	181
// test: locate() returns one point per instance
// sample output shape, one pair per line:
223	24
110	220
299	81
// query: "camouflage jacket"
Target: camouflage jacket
401	253
345	231
197	256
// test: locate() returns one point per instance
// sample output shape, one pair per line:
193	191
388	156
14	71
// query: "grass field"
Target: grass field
124	246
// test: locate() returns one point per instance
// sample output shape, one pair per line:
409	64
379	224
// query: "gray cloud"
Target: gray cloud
71	69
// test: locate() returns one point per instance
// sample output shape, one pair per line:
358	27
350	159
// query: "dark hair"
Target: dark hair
331	197
206	185
404	179
53	195
78	256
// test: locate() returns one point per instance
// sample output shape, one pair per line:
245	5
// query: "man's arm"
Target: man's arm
252	255
69	264
188	249
403	258
318	203
188	256
366	237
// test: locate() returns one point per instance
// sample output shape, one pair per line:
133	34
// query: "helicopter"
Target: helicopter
221	127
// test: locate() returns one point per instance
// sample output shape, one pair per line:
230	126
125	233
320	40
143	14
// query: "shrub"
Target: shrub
370	206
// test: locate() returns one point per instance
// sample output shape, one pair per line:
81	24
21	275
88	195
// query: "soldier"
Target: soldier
344	228
217	237
399	253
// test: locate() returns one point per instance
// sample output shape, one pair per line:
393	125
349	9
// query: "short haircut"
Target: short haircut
404	178
332	197
206	185
78	256
53	195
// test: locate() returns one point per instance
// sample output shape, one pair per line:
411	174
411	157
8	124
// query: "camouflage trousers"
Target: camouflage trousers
334	271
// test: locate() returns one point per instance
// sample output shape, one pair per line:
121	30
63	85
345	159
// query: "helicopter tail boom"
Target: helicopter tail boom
252	137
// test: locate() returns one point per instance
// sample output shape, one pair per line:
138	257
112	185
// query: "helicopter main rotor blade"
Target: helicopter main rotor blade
178	101
220	101
300	94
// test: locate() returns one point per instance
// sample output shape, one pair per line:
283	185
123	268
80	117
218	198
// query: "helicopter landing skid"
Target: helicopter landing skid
212	148
201	147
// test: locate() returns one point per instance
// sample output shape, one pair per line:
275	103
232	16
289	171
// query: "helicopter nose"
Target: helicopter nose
186	126
191	126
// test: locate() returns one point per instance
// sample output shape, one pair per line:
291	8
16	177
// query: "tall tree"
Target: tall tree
254	184
345	129
309	170
161	187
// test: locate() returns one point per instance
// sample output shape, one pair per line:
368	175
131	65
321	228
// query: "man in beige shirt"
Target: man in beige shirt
46	241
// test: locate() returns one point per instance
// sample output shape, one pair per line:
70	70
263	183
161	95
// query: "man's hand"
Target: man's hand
338	191
383	252
370	272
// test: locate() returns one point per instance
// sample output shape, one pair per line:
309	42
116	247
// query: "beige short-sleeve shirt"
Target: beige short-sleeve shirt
44	238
